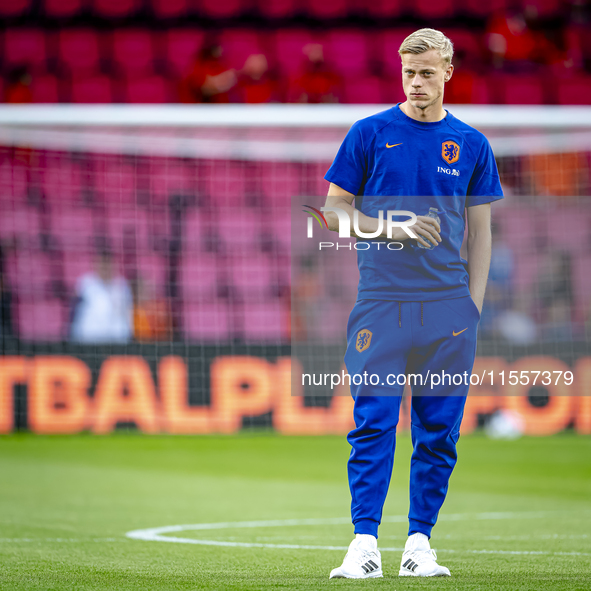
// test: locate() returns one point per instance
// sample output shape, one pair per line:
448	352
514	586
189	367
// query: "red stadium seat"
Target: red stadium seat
378	9
363	90
61	180
72	227
482	9
79	50
346	52
113	9
387	46
520	90
115	182
208	322
251	278
427	9
20	222
128	229
238	44
276	9
281	225
216	9
93	89
238	229
392	92
43	320
467	46
195	228
170	176
164	9
573	91
544	8
45	88
29	274
265	322
14	8
280	182
327	9
288	44
465	87
132	51
563	224
14	182
62	8
198	277
180	48
24	47
225	182
150	89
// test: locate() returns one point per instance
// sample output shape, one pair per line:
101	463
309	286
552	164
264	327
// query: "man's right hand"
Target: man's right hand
426	228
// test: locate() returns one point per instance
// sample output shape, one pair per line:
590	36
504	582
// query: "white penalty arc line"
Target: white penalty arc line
156	534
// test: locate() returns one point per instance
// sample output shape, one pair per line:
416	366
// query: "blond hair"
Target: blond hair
425	39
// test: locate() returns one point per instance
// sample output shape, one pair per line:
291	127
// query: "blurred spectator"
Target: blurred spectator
151	316
210	78
18	86
514	46
516	326
499	288
5	305
307	291
103	309
255	83
317	83
554	289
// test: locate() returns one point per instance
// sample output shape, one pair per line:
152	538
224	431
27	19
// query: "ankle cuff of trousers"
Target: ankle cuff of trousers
419	527
367	526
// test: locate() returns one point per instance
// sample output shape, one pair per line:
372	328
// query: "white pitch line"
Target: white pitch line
155	534
77	541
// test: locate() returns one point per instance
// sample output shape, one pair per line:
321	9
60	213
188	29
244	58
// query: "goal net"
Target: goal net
150	278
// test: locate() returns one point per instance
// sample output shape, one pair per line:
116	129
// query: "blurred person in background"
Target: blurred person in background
514	45
151	315
103	308
499	289
18	86
210	78
5	305
316	83
554	289
256	84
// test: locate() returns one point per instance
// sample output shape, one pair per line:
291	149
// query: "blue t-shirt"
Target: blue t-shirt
392	162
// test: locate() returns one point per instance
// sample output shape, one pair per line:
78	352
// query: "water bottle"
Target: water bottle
432	214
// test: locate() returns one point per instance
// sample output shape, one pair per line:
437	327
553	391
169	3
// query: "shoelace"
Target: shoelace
362	556
420	556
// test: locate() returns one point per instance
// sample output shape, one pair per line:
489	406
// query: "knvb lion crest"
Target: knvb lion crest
363	340
450	152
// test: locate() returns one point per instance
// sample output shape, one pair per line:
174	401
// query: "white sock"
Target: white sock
417	541
367	540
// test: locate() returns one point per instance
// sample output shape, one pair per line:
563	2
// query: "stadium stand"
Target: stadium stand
67	44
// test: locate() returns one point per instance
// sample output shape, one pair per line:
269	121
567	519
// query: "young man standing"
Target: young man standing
418	308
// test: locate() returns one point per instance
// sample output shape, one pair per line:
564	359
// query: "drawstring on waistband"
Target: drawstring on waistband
421	313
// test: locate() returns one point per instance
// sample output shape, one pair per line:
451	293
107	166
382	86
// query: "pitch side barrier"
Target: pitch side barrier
198	389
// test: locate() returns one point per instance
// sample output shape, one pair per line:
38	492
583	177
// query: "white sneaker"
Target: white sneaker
419	560
363	560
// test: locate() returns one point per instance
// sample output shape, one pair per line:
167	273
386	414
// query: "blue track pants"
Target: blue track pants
385	339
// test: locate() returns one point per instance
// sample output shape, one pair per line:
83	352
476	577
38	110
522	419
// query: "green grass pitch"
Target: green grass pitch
518	514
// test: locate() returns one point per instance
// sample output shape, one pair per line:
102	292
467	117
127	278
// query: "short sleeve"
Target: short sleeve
485	185
349	168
